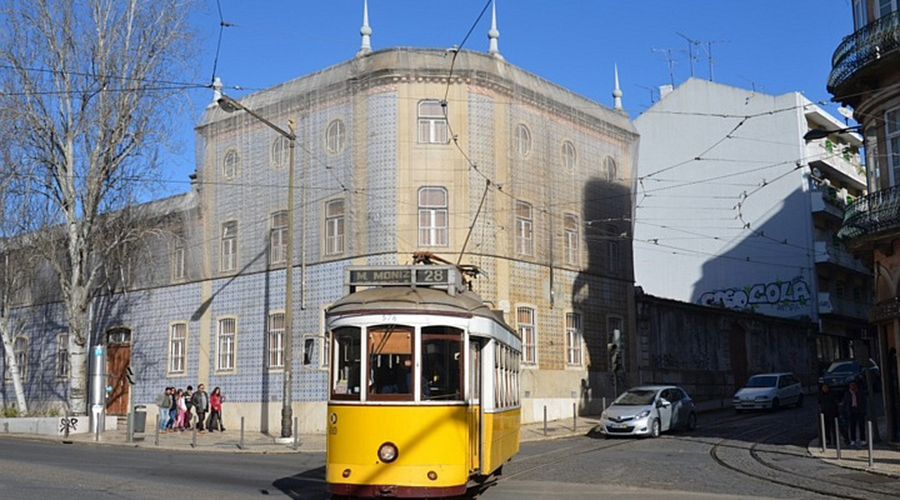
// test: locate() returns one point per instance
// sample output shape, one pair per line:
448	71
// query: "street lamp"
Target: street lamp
229	105
818	133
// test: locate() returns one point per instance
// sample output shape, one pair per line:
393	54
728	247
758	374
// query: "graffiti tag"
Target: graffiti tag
783	294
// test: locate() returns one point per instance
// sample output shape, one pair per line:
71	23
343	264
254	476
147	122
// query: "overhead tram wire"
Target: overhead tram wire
222	25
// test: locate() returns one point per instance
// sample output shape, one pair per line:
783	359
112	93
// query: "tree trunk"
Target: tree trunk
79	340
12	364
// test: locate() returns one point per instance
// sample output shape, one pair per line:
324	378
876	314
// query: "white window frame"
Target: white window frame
432	126
231	163
335	226
892	6
335	136
324	339
432	233
179	259
528	331
574	339
228	257
610	168
569	155
860	14
275	342
523	140
20	351
892	143
177	362
278	237
226	344
524	213
572	238
279	152
62	356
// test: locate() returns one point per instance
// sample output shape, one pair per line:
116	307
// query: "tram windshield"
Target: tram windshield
441	363
347	356
390	361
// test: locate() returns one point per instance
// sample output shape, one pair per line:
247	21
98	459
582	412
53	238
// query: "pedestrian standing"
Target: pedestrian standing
830	408
855	406
201	406
164	403
188	396
215	414
173	411
182	410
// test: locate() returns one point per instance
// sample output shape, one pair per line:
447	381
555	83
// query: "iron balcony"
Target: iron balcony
872	218
868	44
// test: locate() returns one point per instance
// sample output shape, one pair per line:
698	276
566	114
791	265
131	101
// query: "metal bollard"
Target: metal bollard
837	437
822	432
296	428
574	417
129	428
241	444
194	437
156	437
869	441
545	420
604	402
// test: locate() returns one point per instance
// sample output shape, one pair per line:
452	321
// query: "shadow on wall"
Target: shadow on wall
602	289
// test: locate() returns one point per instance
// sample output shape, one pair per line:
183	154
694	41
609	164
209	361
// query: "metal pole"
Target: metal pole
156	437
194	437
545	420
870	435
604	402
296	429
286	410
823	432
574	417
837	437
241	444
129	429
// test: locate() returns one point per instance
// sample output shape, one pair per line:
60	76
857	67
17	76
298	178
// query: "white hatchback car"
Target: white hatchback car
768	391
648	411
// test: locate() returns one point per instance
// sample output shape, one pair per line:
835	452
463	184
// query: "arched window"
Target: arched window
523	140
334	136
609	166
433	215
570	226
569	156
230	164
432	123
281	148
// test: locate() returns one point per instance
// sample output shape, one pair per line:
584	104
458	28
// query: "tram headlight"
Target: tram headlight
388	452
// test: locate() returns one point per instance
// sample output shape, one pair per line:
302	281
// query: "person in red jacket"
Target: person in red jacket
215	413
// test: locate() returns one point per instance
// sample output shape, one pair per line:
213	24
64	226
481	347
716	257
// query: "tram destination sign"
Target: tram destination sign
430	276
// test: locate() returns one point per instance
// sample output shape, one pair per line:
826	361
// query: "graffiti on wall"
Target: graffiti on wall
790	296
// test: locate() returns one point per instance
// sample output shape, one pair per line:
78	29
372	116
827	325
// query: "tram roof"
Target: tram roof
415	300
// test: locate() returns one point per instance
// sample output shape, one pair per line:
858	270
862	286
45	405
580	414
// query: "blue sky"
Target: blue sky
774	46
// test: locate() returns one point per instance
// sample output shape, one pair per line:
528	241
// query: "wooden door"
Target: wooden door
117	359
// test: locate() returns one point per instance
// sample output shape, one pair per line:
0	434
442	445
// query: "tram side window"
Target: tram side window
441	363
390	362
347	357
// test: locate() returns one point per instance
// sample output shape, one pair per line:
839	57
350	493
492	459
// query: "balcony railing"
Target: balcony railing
835	255
872	214
831	304
864	46
839	156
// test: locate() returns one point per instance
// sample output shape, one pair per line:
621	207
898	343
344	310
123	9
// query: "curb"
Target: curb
844	464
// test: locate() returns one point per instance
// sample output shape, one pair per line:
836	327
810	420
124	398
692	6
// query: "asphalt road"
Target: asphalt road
727	456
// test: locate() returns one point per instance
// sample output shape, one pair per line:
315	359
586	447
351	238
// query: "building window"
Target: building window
432	123
334	136
860	17
885	7
609	166
230	164
225	344
526	324
570	226
433	217
276	341
278	238
568	155
229	246
334	227
62	355
178	348
574	339
523	140
892	134
524	228
281	150
20	351
613	248
179	269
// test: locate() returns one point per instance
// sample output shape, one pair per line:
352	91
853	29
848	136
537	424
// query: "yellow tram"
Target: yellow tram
424	384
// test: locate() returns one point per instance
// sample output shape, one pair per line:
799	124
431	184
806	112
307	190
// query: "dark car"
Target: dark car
842	372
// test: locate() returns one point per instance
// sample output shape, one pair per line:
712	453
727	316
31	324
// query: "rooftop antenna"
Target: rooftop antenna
691	42
671	61
652	91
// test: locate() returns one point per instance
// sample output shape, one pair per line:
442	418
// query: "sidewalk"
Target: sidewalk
257	442
886	460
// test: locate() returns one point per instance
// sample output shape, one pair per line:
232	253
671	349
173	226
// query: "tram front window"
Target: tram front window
347	357
390	362
441	363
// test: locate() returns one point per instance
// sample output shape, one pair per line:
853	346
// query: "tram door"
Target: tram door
475	411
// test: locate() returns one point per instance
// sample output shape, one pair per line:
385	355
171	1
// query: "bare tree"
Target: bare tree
90	89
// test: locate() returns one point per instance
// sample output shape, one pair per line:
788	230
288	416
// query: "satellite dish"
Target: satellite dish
845	112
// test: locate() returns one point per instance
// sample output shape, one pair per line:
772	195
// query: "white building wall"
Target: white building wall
723	213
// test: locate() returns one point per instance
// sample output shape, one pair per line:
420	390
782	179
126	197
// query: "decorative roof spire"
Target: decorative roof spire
365	31
493	34
617	92
217	90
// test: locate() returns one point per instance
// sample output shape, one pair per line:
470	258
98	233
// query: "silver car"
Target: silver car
648	411
768	391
